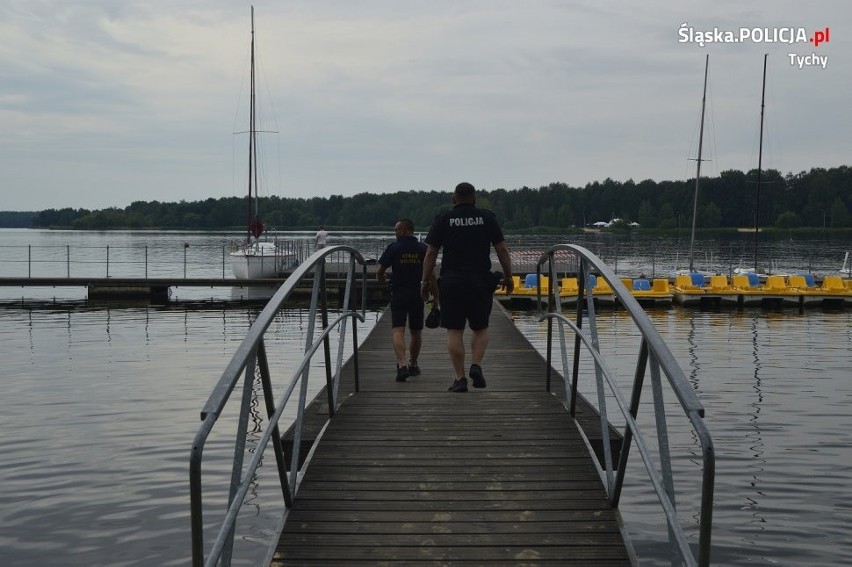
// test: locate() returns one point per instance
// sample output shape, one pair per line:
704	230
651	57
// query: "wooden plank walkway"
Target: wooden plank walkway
408	472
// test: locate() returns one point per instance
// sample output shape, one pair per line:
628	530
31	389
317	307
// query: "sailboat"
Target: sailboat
759	163
698	167
254	258
698	161
756	205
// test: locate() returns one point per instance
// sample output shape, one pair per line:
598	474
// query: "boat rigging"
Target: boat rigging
256	259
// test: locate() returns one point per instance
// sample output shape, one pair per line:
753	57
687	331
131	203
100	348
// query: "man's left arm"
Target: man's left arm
428	275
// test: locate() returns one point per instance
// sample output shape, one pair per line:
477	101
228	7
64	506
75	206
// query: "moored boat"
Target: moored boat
747	290
688	289
694	290
254	258
258	260
653	292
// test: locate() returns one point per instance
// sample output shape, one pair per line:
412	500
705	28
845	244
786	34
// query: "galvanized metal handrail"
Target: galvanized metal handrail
113	260
653	353
251	356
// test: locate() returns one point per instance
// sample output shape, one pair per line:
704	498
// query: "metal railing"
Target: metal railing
141	261
251	356
653	355
207	256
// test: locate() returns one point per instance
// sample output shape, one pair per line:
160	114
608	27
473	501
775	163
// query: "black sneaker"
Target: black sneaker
459	385
413	369
476	376
402	373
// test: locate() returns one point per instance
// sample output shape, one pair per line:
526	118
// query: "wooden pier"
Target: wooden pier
409	472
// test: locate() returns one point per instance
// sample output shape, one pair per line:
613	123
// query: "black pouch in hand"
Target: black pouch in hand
433	319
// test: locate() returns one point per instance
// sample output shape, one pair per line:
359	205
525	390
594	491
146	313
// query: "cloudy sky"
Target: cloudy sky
105	102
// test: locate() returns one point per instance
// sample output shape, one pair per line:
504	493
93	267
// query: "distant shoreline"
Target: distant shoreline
774	233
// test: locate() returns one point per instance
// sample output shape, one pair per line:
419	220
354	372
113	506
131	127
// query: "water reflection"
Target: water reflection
107	478
756	444
98	410
253	435
776	393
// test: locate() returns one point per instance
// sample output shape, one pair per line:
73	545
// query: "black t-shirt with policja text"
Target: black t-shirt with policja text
466	233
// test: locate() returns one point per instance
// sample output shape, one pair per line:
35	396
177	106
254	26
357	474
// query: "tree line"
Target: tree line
817	198
16	219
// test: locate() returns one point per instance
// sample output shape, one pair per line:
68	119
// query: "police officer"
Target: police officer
466	234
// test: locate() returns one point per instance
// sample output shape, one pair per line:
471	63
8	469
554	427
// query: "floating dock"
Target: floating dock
693	290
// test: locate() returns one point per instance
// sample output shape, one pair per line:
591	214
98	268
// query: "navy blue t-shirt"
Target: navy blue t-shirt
466	233
405	259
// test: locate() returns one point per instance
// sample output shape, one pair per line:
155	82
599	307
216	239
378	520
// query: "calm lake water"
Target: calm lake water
776	389
100	405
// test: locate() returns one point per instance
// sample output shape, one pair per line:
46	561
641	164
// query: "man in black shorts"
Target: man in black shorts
466	233
405	259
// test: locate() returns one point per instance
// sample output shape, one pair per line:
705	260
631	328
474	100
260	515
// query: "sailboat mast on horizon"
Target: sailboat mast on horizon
759	163
255	225
255	258
698	166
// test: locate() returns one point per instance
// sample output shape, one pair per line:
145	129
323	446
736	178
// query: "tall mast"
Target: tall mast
253	133
252	181
698	164
759	162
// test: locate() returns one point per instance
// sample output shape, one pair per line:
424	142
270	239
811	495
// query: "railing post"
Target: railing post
29	260
68	260
355	355
195	491
319	270
269	400
146	261
663	438
627	438
599	381
107	260
240	447
575	369
326	345
549	327
223	261
344	306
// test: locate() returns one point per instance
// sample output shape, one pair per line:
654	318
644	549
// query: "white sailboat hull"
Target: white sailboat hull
258	261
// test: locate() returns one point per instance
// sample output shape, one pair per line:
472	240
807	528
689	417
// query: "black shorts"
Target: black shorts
465	299
406	304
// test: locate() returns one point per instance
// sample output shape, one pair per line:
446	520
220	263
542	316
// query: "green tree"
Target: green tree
709	216
192	220
646	216
819	197
565	216
666	217
788	219
839	214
